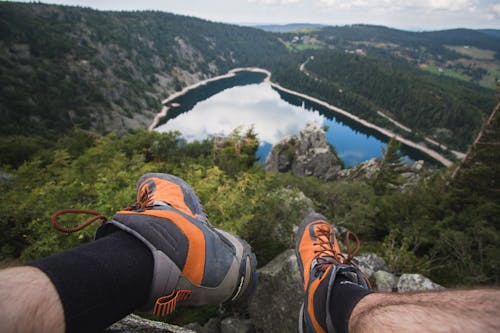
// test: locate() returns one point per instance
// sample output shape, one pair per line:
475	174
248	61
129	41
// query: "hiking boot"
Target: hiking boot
321	263
194	263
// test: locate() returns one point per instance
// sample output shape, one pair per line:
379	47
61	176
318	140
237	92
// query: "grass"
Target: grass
473	52
444	71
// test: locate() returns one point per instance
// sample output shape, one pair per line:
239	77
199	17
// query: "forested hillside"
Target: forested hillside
68	66
65	67
439	83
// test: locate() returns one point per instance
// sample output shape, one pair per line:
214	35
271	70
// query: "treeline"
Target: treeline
420	46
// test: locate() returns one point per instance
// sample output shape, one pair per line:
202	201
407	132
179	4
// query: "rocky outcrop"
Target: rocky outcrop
135	324
385	281
364	170
306	155
416	282
369	169
369	263
236	325
276	302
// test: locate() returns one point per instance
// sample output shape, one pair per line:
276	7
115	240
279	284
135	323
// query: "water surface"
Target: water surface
242	102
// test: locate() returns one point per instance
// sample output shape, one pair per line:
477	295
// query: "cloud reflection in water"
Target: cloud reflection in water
243	106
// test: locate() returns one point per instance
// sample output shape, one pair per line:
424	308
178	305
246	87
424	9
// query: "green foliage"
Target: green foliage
391	166
399	256
447	232
236	152
18	149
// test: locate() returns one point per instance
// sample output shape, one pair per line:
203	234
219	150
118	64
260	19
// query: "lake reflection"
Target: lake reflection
262	107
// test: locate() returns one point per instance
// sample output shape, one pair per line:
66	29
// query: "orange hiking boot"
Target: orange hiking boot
194	263
321	264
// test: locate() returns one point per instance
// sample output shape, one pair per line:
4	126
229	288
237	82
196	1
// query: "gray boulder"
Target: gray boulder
278	296
385	281
364	170
417	166
369	263
213	325
308	155
135	324
416	282
236	325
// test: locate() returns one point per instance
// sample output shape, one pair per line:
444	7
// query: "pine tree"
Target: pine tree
391	167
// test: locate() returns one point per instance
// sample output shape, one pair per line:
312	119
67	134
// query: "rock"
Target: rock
235	325
6	178
282	155
197	328
365	170
416	282
297	207
278	296
385	281
369	263
213	325
417	166
135	324
308	155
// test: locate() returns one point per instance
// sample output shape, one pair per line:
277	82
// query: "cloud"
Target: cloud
446	5
495	9
274	2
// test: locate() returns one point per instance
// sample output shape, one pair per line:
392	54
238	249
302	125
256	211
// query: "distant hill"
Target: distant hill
491	32
289	27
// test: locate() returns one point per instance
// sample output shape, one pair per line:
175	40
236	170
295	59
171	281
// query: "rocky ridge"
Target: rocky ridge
309	154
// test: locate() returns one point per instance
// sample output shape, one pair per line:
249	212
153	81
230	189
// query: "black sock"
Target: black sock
100	282
345	295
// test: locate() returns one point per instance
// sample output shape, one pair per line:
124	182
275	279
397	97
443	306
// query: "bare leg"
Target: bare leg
29	302
447	311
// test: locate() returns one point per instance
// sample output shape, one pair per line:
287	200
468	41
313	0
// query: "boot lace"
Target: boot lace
144	201
327	255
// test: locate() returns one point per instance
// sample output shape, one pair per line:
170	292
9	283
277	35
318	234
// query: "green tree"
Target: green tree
391	166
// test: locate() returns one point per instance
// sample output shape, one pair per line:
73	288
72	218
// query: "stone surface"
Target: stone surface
213	325
364	170
417	166
236	325
307	155
369	263
416	282
385	281
276	302
135	324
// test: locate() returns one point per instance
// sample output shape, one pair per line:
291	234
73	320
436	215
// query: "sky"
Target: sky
403	14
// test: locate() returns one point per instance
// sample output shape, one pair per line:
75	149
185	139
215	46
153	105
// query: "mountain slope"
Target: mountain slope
65	66
108	71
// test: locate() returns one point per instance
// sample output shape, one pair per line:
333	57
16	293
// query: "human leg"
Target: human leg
159	252
29	302
444	311
340	300
100	282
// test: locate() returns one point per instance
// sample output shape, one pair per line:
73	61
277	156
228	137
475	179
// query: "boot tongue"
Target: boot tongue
320	265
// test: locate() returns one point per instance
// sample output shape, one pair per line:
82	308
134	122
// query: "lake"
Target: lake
244	100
